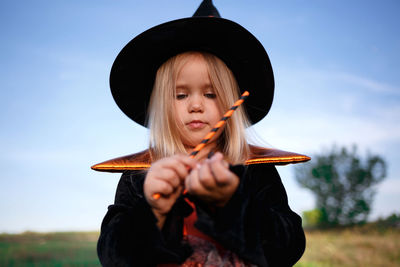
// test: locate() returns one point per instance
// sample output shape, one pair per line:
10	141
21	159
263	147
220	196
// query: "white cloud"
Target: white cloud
372	85
319	107
308	133
315	76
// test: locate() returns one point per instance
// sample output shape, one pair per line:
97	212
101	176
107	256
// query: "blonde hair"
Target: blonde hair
164	132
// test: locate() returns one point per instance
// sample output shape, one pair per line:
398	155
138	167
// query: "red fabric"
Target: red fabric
189	229
207	251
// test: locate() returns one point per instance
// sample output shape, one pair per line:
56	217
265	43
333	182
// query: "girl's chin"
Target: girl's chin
193	141
190	146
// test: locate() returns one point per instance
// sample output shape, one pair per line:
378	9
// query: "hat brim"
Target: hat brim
134	70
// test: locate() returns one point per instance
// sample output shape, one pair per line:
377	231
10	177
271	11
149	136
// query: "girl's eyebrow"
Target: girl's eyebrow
180	87
183	86
208	87
207	84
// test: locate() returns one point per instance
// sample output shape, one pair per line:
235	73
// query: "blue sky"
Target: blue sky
336	65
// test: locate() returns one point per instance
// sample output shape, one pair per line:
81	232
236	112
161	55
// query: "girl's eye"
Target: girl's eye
181	96
210	95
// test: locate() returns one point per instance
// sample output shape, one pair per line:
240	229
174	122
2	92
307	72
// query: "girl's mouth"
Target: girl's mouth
196	125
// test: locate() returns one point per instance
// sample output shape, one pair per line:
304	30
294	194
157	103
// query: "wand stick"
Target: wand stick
217	126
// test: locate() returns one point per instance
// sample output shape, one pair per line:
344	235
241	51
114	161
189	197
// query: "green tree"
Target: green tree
343	184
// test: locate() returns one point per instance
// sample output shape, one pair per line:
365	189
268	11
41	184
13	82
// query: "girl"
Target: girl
233	212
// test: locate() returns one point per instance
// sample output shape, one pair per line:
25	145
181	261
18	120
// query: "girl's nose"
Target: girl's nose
196	104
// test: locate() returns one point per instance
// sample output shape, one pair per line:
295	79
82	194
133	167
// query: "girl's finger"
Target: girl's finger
169	175
166	175
206	177
221	172
162	187
181	164
192	182
186	160
181	168
188	180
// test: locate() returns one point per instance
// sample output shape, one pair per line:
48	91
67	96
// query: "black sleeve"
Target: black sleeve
129	234
257	223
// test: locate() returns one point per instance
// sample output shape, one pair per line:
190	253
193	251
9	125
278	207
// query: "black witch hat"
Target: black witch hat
133	72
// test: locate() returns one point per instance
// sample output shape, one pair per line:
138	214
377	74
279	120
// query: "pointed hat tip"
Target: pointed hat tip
207	9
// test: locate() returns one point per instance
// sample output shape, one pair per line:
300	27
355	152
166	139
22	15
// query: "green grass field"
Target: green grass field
49	249
352	247
357	247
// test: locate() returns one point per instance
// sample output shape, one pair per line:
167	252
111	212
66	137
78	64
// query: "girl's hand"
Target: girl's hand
212	181
166	177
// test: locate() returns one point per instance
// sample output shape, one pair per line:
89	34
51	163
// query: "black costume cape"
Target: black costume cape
256	224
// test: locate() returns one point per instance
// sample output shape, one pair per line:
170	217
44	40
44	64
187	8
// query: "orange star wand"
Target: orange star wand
217	126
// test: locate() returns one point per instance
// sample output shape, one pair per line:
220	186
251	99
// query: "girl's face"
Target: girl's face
196	104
